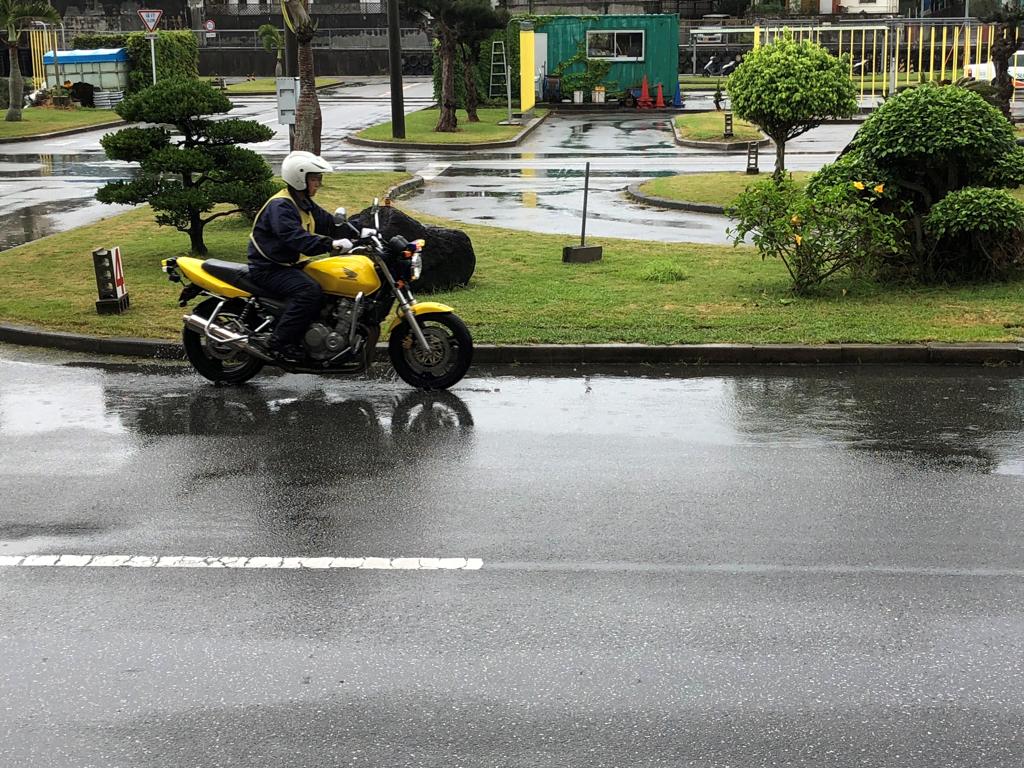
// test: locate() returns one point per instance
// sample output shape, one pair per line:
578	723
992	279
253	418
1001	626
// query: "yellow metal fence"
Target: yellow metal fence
900	53
41	40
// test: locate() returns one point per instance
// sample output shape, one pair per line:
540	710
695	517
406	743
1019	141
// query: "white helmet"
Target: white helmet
295	167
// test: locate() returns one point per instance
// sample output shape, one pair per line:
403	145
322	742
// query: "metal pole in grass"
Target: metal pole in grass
586	192
582	252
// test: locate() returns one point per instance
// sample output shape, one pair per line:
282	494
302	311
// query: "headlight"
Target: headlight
415	266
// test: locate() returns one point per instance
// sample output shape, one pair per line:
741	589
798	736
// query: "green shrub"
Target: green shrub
838	229
921	146
177	54
788	87
87	41
933	140
977	233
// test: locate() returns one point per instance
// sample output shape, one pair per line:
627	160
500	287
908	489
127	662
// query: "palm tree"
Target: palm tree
476	21
272	41
15	18
308	119
440	17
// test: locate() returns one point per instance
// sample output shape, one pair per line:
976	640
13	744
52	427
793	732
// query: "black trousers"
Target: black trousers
303	294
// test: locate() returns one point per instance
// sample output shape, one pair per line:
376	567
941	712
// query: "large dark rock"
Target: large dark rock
448	257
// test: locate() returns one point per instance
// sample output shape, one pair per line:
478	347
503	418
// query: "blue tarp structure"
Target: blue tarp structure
95	56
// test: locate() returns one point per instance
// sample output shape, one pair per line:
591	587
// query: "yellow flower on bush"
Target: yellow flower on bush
880	188
798	239
795	220
859	185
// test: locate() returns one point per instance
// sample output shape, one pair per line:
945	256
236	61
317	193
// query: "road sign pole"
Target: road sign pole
150	20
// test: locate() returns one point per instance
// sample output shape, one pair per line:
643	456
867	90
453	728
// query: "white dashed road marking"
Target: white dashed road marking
190	561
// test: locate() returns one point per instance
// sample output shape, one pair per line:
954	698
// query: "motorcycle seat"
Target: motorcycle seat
233	273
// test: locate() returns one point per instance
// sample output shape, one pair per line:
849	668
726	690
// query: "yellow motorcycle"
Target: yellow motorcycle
224	336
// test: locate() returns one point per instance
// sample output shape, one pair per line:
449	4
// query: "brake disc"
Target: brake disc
438	356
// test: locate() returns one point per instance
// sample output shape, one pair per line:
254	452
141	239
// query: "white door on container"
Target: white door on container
540	61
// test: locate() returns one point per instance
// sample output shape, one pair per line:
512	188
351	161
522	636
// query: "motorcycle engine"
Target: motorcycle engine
344	316
321	342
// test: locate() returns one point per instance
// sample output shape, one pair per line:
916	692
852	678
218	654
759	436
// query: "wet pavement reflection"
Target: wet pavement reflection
799	566
351	458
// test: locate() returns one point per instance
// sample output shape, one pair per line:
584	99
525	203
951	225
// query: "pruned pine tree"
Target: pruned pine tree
189	163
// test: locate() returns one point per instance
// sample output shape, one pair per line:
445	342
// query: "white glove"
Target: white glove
344	245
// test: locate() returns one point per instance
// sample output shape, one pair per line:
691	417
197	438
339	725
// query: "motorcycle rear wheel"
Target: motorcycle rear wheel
449	357
216	362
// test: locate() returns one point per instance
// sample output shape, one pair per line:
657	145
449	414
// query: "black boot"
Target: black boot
287	353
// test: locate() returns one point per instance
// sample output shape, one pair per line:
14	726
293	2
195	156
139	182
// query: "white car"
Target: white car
986	71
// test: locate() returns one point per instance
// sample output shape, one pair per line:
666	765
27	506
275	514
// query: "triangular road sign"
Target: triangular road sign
150	18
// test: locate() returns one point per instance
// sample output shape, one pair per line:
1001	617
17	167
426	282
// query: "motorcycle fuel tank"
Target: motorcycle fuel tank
345	275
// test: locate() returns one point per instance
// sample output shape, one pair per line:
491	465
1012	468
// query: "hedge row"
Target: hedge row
177	54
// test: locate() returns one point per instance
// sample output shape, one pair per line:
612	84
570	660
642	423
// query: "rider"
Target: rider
288	227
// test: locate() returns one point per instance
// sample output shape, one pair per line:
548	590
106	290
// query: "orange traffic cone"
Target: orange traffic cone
660	101
645	95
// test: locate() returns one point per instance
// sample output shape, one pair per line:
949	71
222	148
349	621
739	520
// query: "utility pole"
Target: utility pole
395	64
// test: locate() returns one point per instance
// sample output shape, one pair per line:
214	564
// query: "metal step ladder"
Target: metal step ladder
499	72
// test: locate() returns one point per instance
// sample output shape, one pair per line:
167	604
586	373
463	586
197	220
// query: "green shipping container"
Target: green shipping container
634	46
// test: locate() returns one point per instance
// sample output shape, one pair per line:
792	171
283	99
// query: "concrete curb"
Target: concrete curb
68	132
633	191
530	128
611	110
600	354
409	185
719	146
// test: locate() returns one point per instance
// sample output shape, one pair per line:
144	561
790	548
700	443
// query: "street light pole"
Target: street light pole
395	64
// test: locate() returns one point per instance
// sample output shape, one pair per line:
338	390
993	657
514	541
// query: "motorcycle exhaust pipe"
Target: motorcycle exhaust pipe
221	335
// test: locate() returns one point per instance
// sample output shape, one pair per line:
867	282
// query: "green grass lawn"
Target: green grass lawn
419	128
265	85
721	188
523	293
37	120
711	188
708	126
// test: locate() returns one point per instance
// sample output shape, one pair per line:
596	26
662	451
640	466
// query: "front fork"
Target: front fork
406	302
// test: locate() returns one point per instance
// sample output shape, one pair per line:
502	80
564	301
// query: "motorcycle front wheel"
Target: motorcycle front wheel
218	362
444	363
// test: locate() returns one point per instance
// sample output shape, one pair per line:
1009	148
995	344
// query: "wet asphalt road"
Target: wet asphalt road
49	185
771	567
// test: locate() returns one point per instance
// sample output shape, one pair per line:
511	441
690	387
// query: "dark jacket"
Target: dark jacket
280	234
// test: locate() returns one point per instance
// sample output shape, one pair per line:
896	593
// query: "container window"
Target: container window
625	45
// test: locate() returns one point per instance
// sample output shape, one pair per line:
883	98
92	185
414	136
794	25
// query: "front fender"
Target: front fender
420	308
